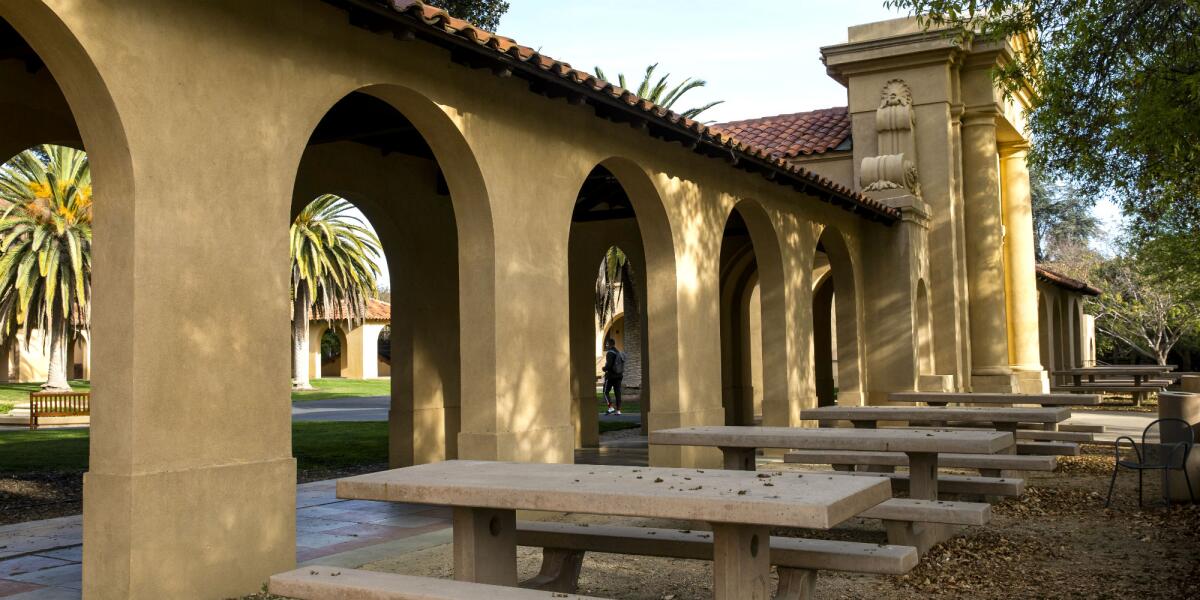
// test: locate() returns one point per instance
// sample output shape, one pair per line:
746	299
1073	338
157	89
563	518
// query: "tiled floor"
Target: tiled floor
42	560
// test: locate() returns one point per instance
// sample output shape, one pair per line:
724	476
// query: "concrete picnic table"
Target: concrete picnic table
1002	418
741	508
1138	372
943	398
738	445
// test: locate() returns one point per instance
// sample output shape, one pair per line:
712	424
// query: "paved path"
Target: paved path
374	408
41	560
1116	423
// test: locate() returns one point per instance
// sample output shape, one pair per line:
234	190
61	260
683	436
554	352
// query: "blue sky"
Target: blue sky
762	57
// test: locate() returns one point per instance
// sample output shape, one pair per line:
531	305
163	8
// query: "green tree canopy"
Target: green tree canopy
661	92
1117	93
46	249
1061	216
483	13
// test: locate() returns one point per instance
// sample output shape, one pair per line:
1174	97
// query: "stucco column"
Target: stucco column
984	225
1022	274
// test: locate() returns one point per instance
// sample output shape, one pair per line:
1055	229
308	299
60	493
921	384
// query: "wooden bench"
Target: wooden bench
797	560
983	462
57	404
334	583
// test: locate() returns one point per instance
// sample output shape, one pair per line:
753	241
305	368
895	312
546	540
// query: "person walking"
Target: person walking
614	372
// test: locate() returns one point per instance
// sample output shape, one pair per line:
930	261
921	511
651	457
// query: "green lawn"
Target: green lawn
316	445
15	393
631	407
344	388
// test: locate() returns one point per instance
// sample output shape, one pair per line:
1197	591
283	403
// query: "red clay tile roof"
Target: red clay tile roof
1065	282
413	18
789	136
377	310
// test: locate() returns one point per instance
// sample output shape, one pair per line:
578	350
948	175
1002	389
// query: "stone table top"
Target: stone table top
938	413
998	398
1117	370
712	495
799	438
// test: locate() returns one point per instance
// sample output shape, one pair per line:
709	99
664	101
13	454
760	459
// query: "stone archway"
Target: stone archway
836	319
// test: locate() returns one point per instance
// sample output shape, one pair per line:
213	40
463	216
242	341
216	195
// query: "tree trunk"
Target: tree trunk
300	340
56	374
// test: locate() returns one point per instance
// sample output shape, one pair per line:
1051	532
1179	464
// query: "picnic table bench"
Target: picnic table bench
944	398
906	526
741	509
1001	418
1139	373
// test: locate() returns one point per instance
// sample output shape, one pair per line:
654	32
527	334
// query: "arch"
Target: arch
924	330
383	351
846	310
1045	328
752	285
425	195
1060	336
1077	356
617	204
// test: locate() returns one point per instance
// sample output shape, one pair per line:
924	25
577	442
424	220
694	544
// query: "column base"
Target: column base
1005	384
935	383
550	445
206	532
1032	381
429	426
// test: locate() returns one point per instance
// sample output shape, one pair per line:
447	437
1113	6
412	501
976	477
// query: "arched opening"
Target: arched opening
924	330
369	149
606	283
1060	352
739	309
1045	327
836	344
1077	356
383	350
333	355
754	368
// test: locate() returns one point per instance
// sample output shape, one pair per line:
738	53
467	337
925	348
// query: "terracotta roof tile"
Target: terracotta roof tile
1067	283
440	22
789	136
377	310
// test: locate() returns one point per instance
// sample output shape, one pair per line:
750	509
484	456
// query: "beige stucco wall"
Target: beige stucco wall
490	359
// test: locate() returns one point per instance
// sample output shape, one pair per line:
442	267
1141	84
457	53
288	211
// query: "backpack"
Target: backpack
618	366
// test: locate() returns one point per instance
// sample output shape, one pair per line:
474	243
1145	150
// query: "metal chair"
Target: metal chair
1155	454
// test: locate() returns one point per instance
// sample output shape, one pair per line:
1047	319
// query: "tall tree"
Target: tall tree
482	13
661	92
1061	215
1142	310
46	249
333	271
1117	91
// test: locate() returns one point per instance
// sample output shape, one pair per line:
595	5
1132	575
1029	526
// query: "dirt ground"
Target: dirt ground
1057	540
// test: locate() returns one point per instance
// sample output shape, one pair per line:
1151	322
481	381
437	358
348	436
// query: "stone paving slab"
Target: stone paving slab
42	560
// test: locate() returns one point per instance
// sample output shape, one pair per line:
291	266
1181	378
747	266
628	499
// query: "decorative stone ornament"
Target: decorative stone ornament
894	168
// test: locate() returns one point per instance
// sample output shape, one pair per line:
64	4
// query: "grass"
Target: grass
316	445
629	407
344	388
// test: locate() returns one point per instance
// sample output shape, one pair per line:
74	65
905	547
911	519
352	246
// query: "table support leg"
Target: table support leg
739	459
1008	428
796	584
741	562
485	545
922	475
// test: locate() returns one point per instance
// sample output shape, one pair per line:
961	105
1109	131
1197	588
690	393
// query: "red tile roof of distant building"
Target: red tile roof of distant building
789	136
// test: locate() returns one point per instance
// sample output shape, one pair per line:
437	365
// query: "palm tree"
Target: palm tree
333	271
46	249
614	268
658	93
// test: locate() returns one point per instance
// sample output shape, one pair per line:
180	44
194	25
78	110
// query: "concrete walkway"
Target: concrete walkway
373	408
1116	423
41	560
